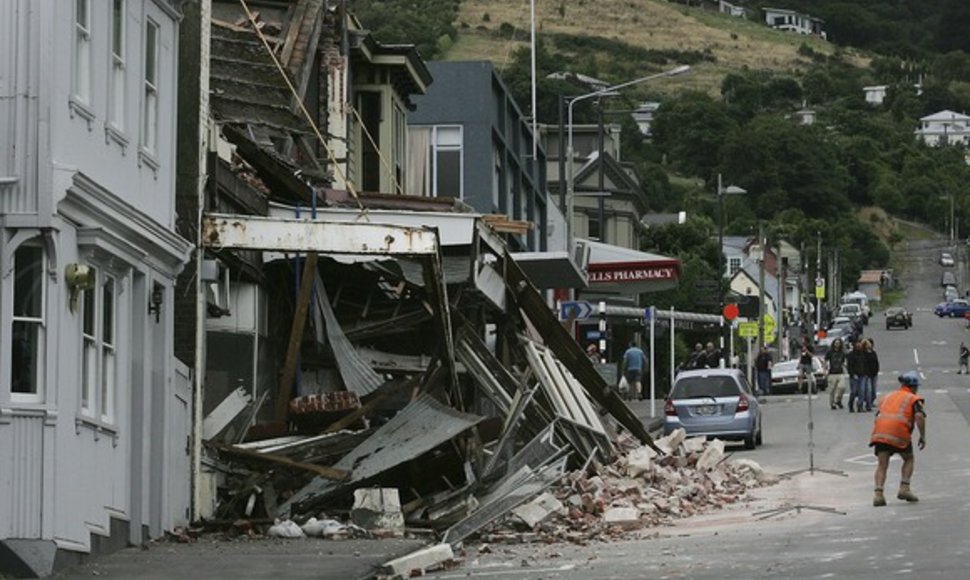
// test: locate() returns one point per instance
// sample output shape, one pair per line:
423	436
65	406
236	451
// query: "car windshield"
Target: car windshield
698	387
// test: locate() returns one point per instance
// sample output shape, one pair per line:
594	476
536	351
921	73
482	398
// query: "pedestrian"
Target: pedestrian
593	352
712	358
856	365
696	360
762	367
806	370
898	413
872	373
964	359
836	367
634	361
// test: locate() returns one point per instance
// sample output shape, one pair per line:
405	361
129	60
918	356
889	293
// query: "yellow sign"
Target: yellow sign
820	292
748	329
769	324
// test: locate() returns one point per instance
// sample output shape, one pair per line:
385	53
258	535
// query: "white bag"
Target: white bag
624	386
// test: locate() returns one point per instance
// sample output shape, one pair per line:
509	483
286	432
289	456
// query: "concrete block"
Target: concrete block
538	509
711	456
622	516
693	444
377	509
670	443
419	560
640	461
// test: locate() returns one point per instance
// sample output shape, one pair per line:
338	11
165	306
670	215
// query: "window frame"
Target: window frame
118	67
99	349
437	148
81	85
150	88
38	394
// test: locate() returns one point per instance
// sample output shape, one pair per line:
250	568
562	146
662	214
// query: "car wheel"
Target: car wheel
749	441
759	438
887	328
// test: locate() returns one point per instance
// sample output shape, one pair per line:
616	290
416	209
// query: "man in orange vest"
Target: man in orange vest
898	413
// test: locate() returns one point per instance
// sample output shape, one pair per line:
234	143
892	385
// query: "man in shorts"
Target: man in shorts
898	413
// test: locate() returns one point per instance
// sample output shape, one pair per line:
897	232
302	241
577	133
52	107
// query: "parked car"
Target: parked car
841	332
954	309
714	403
852	312
859	298
946	260
852	328
950	293
784	376
897	316
948	279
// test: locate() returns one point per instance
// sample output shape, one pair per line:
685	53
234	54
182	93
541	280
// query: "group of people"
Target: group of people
703	357
859	367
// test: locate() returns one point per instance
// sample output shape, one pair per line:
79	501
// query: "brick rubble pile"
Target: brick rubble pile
641	489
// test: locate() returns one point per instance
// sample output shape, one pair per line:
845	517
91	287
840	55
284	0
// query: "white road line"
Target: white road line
941	391
916	356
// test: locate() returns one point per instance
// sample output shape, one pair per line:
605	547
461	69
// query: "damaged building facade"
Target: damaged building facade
90	387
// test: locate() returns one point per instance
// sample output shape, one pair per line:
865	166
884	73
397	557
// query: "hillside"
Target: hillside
494	29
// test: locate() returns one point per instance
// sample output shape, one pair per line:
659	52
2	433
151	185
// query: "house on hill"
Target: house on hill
944	128
792	21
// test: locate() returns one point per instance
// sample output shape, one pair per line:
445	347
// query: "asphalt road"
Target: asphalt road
837	533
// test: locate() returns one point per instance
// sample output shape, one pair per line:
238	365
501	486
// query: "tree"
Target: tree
691	130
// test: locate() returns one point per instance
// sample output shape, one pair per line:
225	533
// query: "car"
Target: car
859	298
852	312
841	332
714	403
948	279
784	376
896	317
950	293
953	309
946	260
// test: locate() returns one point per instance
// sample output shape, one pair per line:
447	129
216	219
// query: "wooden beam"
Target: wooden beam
331	473
296	336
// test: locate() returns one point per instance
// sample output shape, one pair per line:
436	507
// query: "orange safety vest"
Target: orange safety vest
894	423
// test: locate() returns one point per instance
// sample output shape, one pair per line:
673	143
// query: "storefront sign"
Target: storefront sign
620	273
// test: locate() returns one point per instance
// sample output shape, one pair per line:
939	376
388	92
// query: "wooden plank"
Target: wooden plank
330	473
296	336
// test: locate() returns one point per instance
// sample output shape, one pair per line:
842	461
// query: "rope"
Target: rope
306	114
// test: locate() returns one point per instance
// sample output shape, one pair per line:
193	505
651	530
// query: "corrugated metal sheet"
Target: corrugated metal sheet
418	428
27	451
358	375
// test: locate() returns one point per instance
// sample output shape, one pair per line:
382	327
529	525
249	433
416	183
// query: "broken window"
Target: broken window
27	344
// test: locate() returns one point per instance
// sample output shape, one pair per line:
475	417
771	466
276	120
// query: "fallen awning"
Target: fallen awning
550	269
617	270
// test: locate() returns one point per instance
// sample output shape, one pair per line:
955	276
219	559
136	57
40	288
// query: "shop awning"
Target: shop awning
617	270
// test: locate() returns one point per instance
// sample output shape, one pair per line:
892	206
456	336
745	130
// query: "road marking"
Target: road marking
505	572
938	342
941	391
916	356
869	459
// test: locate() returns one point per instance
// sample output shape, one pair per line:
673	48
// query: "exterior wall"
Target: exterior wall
90	195
494	133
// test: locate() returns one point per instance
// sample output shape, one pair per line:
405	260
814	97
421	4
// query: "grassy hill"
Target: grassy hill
493	29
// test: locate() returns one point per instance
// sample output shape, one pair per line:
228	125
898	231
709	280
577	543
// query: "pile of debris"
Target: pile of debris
432	388
642	489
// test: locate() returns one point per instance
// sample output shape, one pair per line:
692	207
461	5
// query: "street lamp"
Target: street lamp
570	175
721	192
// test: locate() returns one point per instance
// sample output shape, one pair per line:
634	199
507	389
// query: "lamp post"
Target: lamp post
721	192
570	175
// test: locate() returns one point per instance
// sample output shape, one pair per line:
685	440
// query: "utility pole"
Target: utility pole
818	276
780	323
761	286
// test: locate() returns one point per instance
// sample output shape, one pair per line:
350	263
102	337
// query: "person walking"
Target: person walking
762	367
872	373
835	364
634	361
964	359
856	365
892	432
712	358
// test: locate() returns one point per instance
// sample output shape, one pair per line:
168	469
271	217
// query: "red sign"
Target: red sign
612	273
730	311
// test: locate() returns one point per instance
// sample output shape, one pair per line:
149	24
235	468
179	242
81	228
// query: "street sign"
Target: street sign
748	329
593	335
577	310
769	324
820	292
